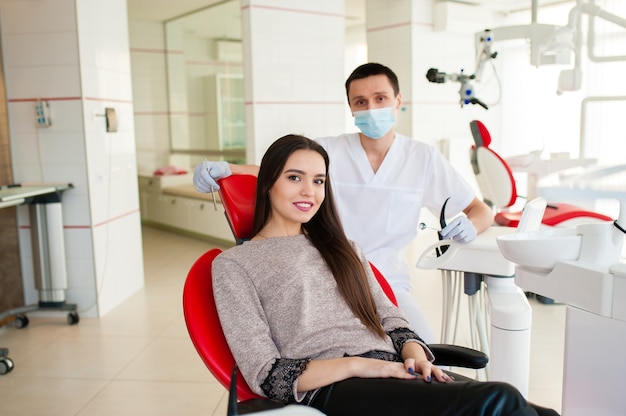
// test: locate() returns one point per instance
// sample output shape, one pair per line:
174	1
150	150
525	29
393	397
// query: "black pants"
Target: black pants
380	397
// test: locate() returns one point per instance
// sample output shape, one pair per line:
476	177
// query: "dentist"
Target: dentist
382	180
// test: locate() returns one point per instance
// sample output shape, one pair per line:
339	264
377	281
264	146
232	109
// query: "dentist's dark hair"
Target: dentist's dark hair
324	230
370	69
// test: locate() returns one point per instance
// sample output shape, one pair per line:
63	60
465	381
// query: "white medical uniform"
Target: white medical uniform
380	211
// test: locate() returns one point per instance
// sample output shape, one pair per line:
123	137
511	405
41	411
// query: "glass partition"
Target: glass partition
205	84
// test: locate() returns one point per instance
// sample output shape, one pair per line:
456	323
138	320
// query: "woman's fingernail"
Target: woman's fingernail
428	378
411	371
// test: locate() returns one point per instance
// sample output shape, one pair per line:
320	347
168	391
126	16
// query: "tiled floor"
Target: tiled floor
138	359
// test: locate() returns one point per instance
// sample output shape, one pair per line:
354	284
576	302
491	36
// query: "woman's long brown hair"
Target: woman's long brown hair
324	230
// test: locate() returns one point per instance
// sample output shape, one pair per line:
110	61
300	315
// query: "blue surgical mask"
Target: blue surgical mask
375	123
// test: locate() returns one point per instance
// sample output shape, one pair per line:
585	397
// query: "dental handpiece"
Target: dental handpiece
423	226
212	190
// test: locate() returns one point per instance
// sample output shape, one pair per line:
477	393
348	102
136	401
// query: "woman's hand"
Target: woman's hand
373	368
425	370
410	369
416	362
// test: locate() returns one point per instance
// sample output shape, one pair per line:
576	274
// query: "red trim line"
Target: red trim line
154	113
85	227
113	100
293	103
116	218
27	100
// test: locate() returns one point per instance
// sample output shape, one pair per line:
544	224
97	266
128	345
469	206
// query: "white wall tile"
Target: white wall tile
25	149
106	84
41	16
117	248
62	148
65	116
45	82
146	34
152	132
24	173
39	49
104	18
385	14
76	206
79	248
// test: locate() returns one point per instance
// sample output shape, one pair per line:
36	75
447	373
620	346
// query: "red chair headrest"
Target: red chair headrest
480	133
237	193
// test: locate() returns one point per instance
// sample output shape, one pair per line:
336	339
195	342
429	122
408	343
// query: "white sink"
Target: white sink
541	250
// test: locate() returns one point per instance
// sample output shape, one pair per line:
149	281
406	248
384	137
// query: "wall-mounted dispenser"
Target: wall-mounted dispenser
42	113
111	118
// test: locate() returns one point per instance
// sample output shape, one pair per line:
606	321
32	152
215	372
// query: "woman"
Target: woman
308	323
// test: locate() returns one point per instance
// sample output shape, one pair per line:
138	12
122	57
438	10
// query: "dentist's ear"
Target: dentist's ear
398	101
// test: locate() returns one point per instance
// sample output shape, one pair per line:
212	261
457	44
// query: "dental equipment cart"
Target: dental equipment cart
580	267
583	267
48	247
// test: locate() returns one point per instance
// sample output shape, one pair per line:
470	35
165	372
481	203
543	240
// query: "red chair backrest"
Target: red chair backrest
237	193
497	184
384	284
204	326
493	174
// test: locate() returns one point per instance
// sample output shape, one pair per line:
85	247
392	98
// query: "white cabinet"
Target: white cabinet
225	111
150	191
171	202
203	219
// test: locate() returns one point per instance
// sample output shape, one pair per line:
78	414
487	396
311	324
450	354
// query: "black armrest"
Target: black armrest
457	356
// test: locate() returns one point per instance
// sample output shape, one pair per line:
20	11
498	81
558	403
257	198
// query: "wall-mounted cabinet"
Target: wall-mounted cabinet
225	111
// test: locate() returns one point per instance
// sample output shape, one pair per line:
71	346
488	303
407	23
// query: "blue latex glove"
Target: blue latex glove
207	173
460	230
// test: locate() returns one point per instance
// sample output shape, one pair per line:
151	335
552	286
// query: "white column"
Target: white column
293	70
74	54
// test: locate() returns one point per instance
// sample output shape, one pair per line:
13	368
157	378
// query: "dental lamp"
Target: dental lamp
549	44
466	91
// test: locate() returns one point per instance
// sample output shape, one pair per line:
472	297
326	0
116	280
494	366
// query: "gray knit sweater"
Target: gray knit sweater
280	308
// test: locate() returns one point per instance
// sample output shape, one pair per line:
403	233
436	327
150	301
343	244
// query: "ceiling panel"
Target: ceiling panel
161	10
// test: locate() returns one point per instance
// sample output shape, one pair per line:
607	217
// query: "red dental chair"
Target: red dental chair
237	195
497	185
